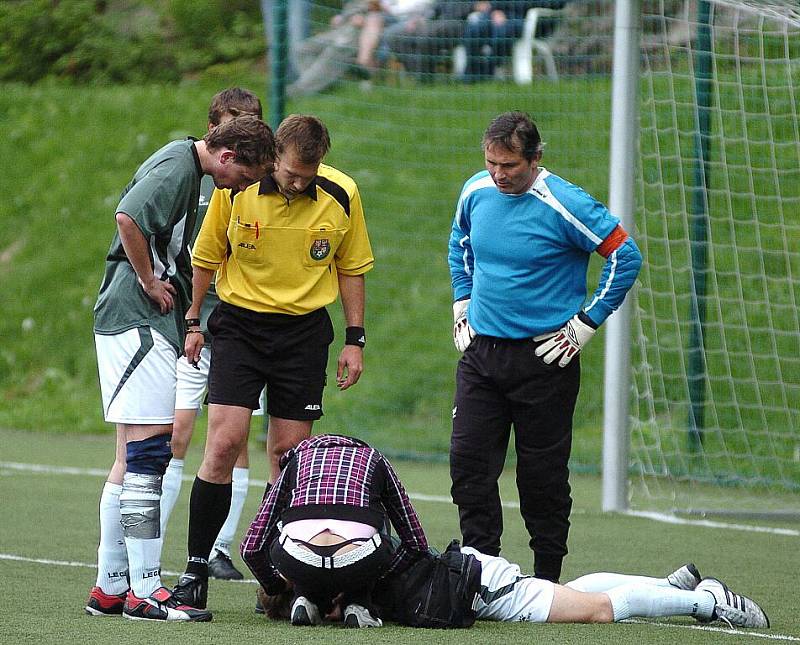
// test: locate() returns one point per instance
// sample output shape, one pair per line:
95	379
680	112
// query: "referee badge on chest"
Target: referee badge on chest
320	249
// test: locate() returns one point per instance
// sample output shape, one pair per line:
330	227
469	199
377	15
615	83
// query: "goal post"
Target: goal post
715	409
624	129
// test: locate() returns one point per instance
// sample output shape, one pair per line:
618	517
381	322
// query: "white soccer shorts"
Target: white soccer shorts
509	596
137	377
193	383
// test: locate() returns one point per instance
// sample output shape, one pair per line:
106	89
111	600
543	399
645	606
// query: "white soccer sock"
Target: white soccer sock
139	510
170	489
651	601
241	481
112	558
598	582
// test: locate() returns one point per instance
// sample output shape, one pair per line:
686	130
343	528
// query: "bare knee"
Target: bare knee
604	611
283	435
573	606
222	450
279	447
182	432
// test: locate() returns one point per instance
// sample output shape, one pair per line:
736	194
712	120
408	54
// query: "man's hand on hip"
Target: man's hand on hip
566	342
161	292
463	333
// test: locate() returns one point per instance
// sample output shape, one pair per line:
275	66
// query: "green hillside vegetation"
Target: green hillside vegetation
76	148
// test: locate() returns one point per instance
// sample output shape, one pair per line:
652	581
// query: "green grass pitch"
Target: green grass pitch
49	533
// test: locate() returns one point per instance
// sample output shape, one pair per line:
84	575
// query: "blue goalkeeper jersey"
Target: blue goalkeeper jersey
522	259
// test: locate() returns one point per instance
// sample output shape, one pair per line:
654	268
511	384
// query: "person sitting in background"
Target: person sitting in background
421	43
490	32
394	16
351	44
325	57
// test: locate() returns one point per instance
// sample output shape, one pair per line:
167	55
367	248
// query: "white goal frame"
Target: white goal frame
622	183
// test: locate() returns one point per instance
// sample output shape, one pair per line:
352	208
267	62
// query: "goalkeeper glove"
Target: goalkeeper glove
566	342
462	332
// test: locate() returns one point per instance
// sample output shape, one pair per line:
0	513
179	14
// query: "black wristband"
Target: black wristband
191	322
584	318
355	336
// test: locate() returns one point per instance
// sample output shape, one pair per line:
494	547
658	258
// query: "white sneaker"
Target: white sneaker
731	608
687	577
305	612
358	616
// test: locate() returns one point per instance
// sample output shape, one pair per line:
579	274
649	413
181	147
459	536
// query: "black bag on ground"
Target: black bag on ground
437	591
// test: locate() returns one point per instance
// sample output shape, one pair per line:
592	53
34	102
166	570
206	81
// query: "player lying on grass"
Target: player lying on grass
502	593
451	589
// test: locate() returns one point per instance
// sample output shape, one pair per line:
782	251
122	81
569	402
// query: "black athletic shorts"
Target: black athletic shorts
287	353
323	580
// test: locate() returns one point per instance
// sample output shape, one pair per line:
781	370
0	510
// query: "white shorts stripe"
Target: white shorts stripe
137	378
509	596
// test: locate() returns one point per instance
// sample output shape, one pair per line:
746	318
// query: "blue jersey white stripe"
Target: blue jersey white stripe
522	259
604	285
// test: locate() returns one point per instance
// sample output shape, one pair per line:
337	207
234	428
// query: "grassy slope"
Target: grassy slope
72	150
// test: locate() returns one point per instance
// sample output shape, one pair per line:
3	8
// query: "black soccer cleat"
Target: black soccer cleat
191	590
220	567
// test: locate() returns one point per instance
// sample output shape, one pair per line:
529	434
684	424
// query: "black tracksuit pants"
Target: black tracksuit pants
500	383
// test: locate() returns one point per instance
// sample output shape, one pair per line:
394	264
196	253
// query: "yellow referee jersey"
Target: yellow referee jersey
277	256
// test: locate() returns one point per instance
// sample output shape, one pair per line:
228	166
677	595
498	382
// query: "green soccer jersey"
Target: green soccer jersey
162	198
211	300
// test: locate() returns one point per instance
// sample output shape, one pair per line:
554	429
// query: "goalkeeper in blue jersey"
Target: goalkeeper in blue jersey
518	254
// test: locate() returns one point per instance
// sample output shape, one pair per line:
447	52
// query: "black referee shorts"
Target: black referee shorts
287	353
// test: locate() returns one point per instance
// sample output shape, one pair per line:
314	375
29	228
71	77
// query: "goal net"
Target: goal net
716	377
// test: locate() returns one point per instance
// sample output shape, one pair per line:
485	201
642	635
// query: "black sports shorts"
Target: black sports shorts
287	353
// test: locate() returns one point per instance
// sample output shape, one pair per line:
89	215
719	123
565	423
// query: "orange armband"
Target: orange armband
614	240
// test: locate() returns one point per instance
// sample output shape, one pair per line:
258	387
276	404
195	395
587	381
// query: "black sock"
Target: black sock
208	507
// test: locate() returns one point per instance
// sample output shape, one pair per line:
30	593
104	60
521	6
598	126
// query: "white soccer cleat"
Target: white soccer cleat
358	616
305	613
686	577
731	608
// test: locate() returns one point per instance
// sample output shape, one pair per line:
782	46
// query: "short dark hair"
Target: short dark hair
515	131
235	101
307	134
248	137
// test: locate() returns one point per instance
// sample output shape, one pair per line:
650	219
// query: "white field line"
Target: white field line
721	630
43	469
672	519
704	628
97	472
260	484
86	565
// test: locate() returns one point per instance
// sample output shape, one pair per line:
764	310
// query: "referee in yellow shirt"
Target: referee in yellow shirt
282	250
